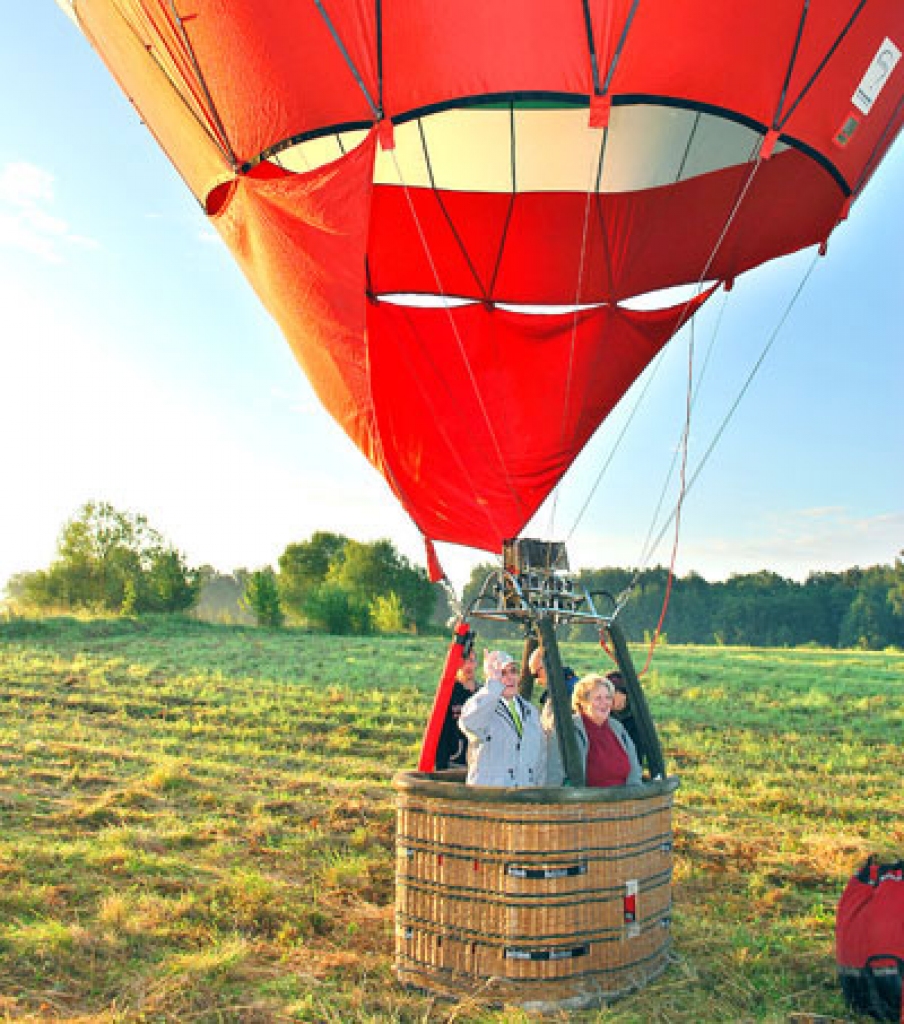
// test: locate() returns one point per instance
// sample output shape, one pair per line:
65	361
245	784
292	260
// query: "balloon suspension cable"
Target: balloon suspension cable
698	289
681	451
618	441
346	56
595	175
221	138
458	341
676	513
458	612
625	595
675	516
682	492
648	546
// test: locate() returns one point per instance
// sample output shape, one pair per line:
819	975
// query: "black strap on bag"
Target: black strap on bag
883	977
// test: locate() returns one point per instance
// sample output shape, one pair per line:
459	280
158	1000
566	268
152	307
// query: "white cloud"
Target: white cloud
798	542
793	543
27	222
24	185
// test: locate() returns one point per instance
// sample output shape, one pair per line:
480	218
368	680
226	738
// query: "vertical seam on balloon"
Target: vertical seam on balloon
599	90
214	113
346	56
511	206
598	187
461	347
218	137
620	45
591	48
569	374
604	235
825	60
791	62
445	212
687	149
376	432
378	14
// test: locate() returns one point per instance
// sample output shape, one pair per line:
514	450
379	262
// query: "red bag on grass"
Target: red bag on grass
869	940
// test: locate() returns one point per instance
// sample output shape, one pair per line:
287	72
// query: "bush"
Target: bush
334	609
387	613
261	598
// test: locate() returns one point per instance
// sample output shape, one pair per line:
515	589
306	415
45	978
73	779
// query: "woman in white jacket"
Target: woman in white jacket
506	745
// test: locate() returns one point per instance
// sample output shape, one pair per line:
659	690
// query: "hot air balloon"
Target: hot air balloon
447	206
502	157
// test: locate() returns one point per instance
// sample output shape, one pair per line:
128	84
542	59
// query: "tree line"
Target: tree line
114	562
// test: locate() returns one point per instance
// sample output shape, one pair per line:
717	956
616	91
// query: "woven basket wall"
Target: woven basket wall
550	898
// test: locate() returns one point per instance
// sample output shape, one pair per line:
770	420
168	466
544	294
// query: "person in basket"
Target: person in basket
608	751
506	745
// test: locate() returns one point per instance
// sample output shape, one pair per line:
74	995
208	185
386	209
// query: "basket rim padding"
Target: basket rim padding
454	788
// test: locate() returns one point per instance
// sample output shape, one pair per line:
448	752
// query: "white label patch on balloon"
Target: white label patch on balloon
877	74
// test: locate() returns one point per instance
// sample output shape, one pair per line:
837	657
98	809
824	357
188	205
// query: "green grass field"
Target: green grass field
198	822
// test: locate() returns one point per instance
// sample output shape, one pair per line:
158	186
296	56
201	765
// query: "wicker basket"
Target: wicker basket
549	898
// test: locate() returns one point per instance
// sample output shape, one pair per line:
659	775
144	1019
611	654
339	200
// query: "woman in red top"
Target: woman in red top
610	758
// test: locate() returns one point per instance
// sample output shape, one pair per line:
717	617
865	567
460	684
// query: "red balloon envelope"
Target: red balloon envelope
369	163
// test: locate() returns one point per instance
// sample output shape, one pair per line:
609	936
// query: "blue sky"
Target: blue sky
140	369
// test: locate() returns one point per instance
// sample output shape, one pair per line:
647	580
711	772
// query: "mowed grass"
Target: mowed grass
198	822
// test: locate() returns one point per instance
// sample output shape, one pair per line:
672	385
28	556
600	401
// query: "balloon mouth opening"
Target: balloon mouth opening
662	299
668	298
218	198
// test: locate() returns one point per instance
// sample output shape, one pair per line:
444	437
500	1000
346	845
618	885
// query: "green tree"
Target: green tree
369	570
129	598
261	598
112	561
896	591
872	620
487	629
476	580
387	613
303	567
170	585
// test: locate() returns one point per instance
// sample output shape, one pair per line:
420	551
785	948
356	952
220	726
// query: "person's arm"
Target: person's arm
543	769
634	772
479	710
